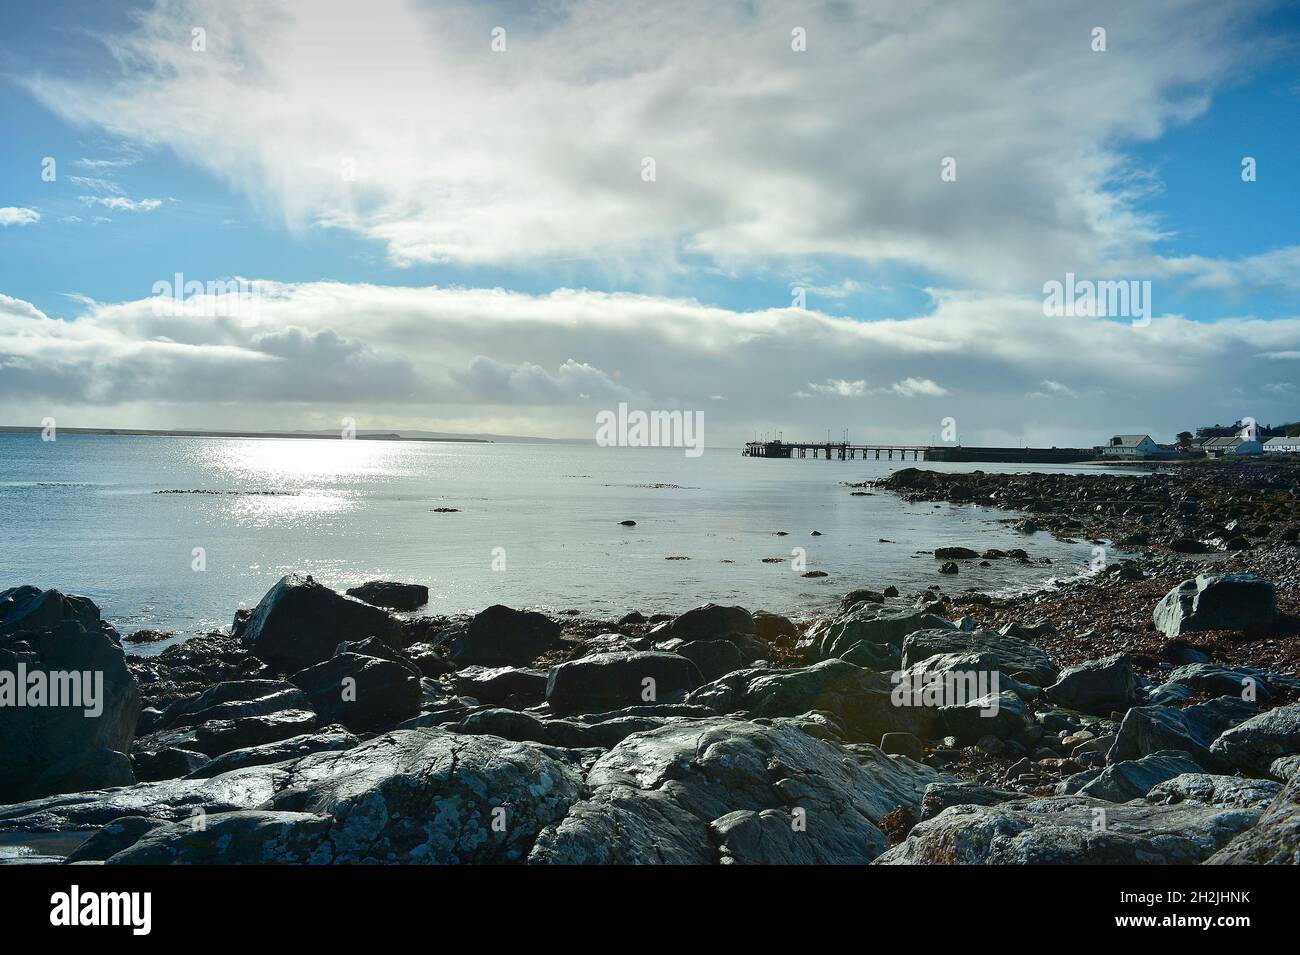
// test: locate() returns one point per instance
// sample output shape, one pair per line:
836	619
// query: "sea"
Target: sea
174	534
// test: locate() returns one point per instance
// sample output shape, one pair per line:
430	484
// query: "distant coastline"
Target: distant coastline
322	435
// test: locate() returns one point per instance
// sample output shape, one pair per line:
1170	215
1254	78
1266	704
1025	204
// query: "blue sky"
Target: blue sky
519	173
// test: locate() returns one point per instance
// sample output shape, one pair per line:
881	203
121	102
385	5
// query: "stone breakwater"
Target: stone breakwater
1146	714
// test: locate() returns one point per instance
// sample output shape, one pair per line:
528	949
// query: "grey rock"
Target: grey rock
1222	791
873	656
995	714
1100	687
233	700
939	796
1254	744
1212	679
610	680
713	658
1063	830
861	700
1016	658
902	744
719	791
1275	840
299	623
1217	602
221	736
1284	768
496	685
1134	778
1150	729
169	762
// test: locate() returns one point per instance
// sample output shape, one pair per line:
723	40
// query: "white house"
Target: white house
1223	447
1131	446
1282	446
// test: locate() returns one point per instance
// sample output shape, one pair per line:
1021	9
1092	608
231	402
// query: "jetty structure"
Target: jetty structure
846	451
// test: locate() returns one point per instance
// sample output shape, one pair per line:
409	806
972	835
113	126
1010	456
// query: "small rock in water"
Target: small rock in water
628	523
816	573
949	568
815	534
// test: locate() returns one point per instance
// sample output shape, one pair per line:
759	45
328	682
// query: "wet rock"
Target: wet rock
1099	687
166	763
363	693
1062	830
299	623
861	595
607	681
500	636
949	568
429	660
774	628
391	595
633	617
1217	602
1150	729
955	553
1134	778
221	736
1252	745
861	700
235	699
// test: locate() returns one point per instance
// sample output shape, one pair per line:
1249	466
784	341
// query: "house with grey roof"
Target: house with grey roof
1131	446
1282	445
1231	447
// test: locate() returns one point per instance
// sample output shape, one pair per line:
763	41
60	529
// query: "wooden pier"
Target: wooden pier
844	451
832	450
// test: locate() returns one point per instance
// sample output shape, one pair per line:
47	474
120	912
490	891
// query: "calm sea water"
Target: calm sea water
537	526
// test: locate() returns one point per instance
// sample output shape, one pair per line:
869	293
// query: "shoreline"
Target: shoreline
1092	705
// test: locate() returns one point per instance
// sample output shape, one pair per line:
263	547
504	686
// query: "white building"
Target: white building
1282	446
1225	447
1131	446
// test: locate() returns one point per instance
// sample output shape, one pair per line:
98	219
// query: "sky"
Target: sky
788	217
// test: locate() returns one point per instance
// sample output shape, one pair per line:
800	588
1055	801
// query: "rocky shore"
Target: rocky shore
1146	714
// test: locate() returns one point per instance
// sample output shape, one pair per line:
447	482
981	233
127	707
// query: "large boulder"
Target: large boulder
876	623
863	701
1213	679
735	792
1217	602
1070	830
1134	778
364	693
1150	729
299	623
234	699
500	636
499	685
79	772
607	681
711	622
1015	658
714	658
1254	744
996	714
391	595
1099	687
411	796
79	699
1275	839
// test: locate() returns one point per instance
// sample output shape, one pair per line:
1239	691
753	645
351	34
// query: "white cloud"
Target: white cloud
17	215
122	203
417	357
762	153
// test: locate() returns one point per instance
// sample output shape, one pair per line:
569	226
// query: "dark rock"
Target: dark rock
712	622
501	684
1099	687
234	700
221	736
633	617
166	763
1211	679
36	739
611	680
363	693
939	796
875	623
774	628
873	656
949	568
1217	602
81	772
1010	655
328	739
1000	715
299	623
500	636
430	661
714	658
394	596
955	553
902	744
